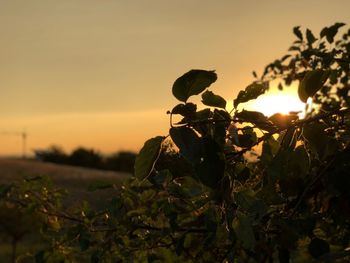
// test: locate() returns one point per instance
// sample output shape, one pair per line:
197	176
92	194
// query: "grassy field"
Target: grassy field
75	180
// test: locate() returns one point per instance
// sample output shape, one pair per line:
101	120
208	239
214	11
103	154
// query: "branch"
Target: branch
294	125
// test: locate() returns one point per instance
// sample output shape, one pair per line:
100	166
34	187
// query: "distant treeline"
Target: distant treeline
122	161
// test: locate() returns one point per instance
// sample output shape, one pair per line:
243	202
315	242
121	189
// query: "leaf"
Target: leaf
242	226
281	120
250	93
318	247
146	158
184	109
192	83
270	148
297	32
247	139
211	168
300	161
330	32
188	142
255	117
319	142
312	82
210	99
310	37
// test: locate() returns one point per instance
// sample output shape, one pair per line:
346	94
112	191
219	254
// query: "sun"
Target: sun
276	101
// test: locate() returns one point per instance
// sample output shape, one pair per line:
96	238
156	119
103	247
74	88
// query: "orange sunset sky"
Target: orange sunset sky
98	73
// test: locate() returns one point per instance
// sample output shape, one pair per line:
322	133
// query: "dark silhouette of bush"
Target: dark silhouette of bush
54	154
85	158
121	161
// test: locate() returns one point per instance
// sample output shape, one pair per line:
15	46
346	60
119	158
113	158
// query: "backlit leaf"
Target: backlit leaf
297	32
146	158
250	93
188	142
330	32
312	82
210	99
310	37
193	83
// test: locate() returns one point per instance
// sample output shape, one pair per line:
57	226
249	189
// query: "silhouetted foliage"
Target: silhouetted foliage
85	158
206	201
54	154
121	161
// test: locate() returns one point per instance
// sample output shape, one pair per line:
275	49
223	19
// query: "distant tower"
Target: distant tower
23	136
24	144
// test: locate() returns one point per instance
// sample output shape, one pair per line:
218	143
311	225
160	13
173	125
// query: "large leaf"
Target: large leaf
146	158
319	142
297	32
211	168
250	93
188	142
257	118
330	32
310	37
312	82
185	110
210	99
193	83
282	120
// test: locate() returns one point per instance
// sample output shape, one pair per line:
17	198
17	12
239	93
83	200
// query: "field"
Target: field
75	180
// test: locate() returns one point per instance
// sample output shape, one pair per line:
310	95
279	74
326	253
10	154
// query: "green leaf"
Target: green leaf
193	83
310	37
188	142
312	82
210	99
242	226
147	157
330	32
297	32
251	92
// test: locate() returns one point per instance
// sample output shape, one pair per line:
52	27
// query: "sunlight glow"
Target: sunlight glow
270	104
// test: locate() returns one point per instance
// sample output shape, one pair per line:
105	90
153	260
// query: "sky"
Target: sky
99	74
